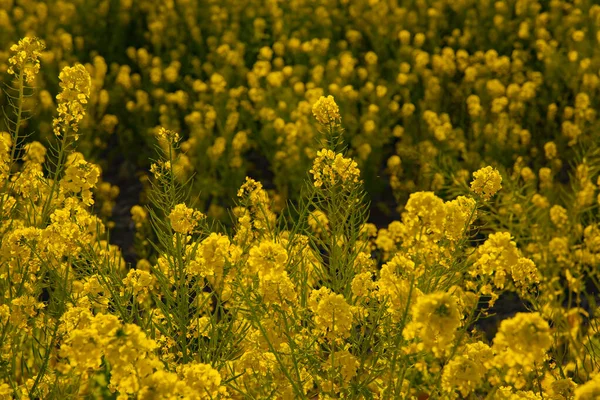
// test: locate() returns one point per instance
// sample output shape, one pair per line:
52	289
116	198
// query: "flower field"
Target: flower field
300	199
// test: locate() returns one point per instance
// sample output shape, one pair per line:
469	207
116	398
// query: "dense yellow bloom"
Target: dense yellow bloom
330	169
550	150
203	380
75	83
326	111
495	88
258	215
342	363
5	148
22	308
559	216
35	152
522	340
435	318
425	210
6	392
589	390
276	287
540	201
394	284
130	354
465	372
109	122
499	257
508	393
26	58
267	256
253	300
558	388
141	283
71	227
87	336
183	219
210	258
363	284
81	177
332	314
459	212
487	181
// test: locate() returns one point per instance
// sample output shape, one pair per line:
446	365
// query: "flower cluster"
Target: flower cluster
333	316
75	83
331	169
26	58
435	319
80	177
486	183
326	111
184	219
388	273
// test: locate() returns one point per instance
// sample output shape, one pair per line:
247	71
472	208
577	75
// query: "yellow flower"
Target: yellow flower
425	210
363	284
487	182
500	257
332	314
589	390
5	148
435	318
459	212
559	216
184	219
218	83
138	215
276	287
522	340
35	152
86	337
160	169
559	388
344	363
140	283
326	111
81	177
330	169
394	284
318	221
75	83
204	380
26	58
466	371
211	256
6	392
167	136
266	257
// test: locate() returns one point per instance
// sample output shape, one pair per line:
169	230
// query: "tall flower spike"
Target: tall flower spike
75	83
26	58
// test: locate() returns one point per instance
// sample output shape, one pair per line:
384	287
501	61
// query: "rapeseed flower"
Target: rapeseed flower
486	183
326	111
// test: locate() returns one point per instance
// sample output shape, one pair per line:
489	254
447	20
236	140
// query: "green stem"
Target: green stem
14	134
54	338
19	114
57	172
